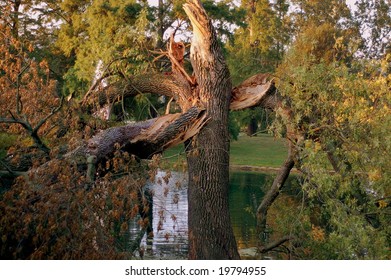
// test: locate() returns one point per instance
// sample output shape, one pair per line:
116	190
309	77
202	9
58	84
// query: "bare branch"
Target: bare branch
274	244
275	189
33	132
54	111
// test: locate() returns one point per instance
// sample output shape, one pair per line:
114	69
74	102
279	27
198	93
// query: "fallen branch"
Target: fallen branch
274	191
275	244
143	139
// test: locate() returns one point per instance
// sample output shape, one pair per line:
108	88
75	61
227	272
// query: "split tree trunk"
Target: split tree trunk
210	231
205	101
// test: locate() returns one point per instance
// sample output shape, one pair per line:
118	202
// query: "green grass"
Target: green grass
262	150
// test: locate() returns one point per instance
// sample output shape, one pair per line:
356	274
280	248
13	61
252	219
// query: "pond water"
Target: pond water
169	239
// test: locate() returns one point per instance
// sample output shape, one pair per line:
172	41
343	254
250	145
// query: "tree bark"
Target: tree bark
142	139
274	191
210	232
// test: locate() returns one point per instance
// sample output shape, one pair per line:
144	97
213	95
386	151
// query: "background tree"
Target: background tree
258	47
316	65
373	18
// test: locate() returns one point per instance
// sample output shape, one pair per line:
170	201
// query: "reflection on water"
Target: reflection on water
169	239
169	218
244	195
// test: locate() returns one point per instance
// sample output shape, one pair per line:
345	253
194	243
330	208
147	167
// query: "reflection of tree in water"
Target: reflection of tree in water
168	234
168	238
244	195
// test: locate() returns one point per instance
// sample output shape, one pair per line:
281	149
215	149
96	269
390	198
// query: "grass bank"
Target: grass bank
262	150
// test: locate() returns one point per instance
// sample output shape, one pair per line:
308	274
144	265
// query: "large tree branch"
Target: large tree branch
143	139
258	90
171	85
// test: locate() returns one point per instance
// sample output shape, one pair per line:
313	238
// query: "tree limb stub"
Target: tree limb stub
258	90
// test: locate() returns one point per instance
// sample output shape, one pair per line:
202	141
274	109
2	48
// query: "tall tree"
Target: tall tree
208	152
204	99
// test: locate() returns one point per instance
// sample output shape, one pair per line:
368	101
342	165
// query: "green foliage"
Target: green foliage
260	44
225	15
233	127
6	141
242	119
345	116
374	19
101	31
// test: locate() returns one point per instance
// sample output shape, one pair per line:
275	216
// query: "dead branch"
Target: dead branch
33	131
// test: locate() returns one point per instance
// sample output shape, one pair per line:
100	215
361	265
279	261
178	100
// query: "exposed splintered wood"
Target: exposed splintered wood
169	131
208	152
202	31
143	139
258	90
176	52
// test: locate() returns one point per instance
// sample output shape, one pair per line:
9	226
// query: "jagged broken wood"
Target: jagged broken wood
143	139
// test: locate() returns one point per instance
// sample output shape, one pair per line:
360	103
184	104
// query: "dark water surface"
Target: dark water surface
170	213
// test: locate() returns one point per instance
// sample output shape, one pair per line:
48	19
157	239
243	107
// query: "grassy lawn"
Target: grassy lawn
262	150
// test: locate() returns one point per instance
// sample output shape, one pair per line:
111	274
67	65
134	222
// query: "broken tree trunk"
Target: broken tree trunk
205	101
210	232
